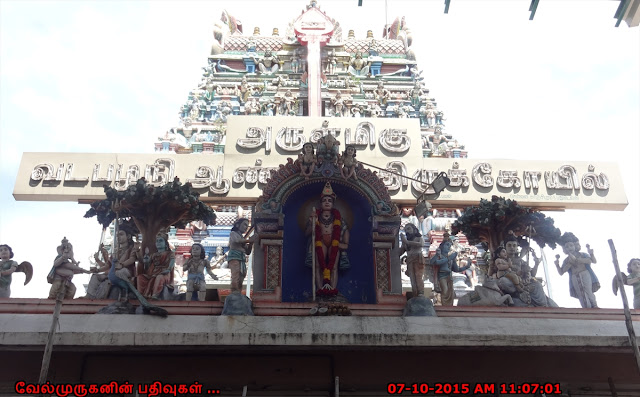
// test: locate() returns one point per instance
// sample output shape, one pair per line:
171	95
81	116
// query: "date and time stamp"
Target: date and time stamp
531	388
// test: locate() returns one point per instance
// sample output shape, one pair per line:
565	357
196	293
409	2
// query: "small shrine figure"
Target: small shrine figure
358	66
239	248
61	274
430	115
349	163
8	267
416	94
583	281
158	269
252	107
330	245
295	61
447	263
308	160
125	257
332	62
268	108
195	266
633	279
381	94
288	106
357	110
269	63
328	150
245	90
412	243
338	105
502	263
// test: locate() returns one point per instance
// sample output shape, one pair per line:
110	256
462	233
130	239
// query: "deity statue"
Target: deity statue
125	257
430	115
338	105
8	267
158	269
61	274
416	94
269	63
252	107
288	106
583	281
531	286
332	62
328	149
412	243
502	263
195	266
633	279
357	110
446	260
331	235
381	94
348	163
239	248
218	260
268	108
358	66
295	61
245	90
308	160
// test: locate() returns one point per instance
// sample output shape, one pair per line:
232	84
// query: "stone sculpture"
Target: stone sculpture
308	160
447	263
348	163
158	269
633	279
239	248
328	149
8	267
195	266
269	63
358	66
412	244
125	257
61	274
583	281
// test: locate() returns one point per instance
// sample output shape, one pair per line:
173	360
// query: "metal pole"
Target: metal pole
546	272
313	254
46	357
625	303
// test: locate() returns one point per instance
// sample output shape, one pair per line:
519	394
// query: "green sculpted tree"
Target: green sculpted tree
153	209
491	222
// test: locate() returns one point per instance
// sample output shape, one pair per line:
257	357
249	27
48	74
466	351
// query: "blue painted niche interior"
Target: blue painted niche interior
357	284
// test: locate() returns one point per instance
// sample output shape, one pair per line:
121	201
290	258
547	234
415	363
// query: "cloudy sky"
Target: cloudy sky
110	76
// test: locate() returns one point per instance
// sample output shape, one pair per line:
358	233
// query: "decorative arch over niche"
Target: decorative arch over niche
280	220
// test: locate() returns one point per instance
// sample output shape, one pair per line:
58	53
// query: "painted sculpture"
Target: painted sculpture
125	261
348	163
533	292
330	240
195	266
308	160
239	248
412	243
158	269
7	267
633	279
61	274
358	66
583	282
446	261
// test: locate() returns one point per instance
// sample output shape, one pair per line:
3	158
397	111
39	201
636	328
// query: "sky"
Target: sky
110	76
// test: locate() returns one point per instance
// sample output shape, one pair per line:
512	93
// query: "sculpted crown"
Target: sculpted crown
328	191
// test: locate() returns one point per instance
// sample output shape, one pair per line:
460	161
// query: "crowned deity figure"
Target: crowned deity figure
329	241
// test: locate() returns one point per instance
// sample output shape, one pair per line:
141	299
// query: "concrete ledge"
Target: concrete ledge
124	331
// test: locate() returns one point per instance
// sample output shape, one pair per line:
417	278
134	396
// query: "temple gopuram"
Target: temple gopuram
320	153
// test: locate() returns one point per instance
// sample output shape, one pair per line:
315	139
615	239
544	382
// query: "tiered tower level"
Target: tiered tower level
274	75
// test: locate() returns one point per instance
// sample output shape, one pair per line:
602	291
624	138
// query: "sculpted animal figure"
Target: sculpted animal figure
487	295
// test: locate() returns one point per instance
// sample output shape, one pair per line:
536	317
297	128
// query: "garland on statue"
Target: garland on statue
327	266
